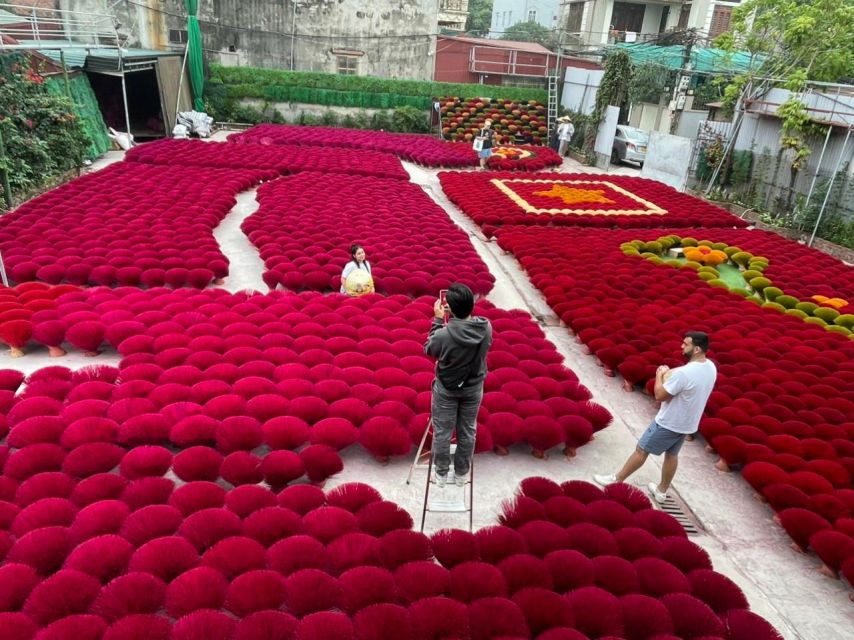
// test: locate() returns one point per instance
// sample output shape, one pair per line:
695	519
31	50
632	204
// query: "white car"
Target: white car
629	145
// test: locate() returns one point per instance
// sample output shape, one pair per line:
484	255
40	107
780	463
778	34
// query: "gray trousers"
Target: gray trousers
454	409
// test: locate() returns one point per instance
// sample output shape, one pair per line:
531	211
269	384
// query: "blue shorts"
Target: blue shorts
657	440
485	153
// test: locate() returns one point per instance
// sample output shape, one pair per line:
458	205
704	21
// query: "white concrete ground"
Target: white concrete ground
744	544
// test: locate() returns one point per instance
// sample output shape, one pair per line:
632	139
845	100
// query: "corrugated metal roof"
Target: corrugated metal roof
529	47
76	56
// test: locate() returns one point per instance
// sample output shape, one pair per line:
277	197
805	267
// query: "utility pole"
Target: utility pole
683	80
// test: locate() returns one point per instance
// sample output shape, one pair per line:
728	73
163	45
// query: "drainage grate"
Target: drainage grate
675	507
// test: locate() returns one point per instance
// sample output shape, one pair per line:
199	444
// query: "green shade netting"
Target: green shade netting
86	109
195	64
702	58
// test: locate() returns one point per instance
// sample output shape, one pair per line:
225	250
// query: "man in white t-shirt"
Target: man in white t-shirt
683	393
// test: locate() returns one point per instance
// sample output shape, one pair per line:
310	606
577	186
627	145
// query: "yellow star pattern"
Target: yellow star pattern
571	195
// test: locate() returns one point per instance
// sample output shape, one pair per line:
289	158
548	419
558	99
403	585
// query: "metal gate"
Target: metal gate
707	132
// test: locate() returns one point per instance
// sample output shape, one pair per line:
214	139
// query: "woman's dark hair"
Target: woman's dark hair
460	299
353	249
699	339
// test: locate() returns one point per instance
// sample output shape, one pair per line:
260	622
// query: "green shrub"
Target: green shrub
673	262
43	135
797	313
775	306
354	91
712	270
807	307
845	320
329	119
690	264
653	258
755	300
771	293
757	266
787	301
380	121
826	313
630	251
731	251
708	277
653	247
742	292
689	242
817	321
705	243
714	282
409	120
627	245
720	246
638	244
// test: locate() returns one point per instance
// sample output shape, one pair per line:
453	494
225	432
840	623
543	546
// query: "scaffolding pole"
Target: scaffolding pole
125	97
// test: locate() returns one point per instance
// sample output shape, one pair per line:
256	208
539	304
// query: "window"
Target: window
720	21
348	65
522	81
684	15
178	36
627	16
532	15
573	17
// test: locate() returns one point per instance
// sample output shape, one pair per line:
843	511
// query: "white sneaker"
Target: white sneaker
440	480
461	481
604	479
659	496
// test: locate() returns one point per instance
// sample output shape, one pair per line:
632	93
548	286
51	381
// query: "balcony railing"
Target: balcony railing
33	27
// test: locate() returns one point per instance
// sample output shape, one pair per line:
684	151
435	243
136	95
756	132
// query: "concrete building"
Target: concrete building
592	23
383	38
453	14
506	13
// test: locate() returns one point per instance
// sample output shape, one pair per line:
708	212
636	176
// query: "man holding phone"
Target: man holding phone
459	342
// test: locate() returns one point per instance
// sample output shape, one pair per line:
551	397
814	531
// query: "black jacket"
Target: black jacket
460	348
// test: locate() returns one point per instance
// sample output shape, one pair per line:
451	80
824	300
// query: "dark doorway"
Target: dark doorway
143	95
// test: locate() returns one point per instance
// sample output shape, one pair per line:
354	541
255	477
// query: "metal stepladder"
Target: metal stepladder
452	498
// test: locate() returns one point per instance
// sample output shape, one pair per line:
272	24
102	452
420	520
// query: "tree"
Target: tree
792	42
616	84
530	31
613	90
480	16
795	39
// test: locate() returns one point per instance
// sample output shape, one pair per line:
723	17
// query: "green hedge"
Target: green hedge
353	91
86	108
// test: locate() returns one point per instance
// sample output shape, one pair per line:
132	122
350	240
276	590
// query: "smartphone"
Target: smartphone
443	298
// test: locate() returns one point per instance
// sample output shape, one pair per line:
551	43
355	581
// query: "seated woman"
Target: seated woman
356	279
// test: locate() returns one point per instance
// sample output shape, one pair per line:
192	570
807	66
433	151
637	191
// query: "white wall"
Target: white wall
579	89
546	11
